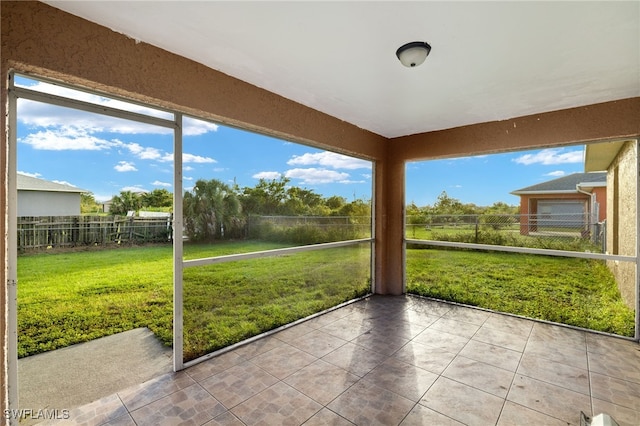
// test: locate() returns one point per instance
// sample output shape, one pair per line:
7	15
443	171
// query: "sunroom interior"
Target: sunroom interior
500	77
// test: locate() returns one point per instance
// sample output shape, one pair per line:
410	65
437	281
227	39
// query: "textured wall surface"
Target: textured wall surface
622	207
40	40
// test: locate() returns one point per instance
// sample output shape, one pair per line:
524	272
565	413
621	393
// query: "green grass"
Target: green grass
231	302
579	292
67	298
73	297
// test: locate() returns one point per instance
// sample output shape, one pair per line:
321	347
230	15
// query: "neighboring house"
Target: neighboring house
38	197
573	201
619	159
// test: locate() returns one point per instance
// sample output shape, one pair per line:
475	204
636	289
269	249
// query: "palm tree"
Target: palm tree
212	211
125	202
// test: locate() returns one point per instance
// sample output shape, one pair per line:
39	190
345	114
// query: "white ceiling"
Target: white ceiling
489	60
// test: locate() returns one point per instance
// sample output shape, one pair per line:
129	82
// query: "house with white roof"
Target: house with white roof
39	197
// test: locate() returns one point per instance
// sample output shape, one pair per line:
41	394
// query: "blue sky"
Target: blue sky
105	155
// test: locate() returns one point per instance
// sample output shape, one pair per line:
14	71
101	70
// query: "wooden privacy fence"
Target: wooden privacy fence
71	231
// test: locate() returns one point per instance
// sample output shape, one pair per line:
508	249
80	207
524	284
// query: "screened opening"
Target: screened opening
274	232
197	235
547	234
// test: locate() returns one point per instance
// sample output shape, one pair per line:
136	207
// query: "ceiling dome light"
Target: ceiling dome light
413	54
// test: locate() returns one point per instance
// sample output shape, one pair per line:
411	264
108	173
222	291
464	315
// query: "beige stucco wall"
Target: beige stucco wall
622	207
39	39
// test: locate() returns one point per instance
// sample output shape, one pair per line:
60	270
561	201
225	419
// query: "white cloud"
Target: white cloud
195	127
188	158
67	138
142	152
47	115
187	168
158	183
64	182
134	188
557	173
551	156
51	116
125	166
318	176
329	159
267	175
34	175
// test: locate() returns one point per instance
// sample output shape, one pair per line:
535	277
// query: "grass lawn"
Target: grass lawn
580	292
72	297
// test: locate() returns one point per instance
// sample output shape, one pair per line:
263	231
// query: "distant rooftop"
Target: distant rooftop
29	183
565	183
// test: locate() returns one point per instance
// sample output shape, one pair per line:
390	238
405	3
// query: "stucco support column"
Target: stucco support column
389	252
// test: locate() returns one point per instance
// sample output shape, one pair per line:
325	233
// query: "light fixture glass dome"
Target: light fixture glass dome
414	53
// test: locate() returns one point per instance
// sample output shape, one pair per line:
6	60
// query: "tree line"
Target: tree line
215	210
446	206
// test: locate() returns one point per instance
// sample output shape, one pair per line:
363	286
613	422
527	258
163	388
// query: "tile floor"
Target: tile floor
395	360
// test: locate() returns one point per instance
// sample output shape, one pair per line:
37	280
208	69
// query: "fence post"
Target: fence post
477	223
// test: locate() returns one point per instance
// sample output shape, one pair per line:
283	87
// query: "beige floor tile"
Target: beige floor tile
467	314
622	415
238	383
283	360
322	381
189	406
492	355
346	329
125	420
427	357
291	333
563	375
433	307
509	324
326	417
145	393
479	375
397	327
574	339
225	419
617	391
255	348
367	404
418	317
495	336
443	340
355	359
423	416
549	399
622	365
380	342
214	365
101	411
599	343
454	326
558	353
463	403
516	415
324	319
278	405
404	379
317	343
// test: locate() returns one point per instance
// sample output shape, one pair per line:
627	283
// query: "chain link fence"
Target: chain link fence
575	232
308	229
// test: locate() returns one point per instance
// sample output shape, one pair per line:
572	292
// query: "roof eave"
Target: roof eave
599	156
